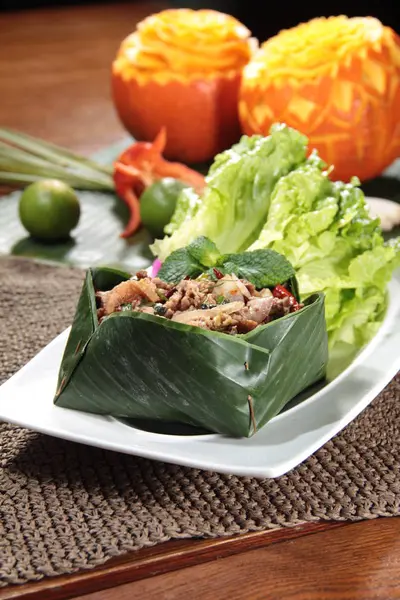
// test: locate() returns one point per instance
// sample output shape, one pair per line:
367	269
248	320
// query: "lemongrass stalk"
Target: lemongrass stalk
23	179
51	151
54	172
8	153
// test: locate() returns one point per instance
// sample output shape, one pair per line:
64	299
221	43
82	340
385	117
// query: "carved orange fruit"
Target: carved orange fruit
338	81
181	70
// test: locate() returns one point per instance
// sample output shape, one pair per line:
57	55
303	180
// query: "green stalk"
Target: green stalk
51	151
23	179
24	160
10	153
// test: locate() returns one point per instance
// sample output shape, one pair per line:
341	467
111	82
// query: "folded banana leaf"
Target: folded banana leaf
136	365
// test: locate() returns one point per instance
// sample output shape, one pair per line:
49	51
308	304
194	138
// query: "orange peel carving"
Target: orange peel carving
338	81
158	81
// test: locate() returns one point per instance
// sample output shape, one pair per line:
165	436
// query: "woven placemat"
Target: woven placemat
64	506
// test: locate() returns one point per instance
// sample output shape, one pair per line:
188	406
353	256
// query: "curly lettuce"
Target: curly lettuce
235	202
325	230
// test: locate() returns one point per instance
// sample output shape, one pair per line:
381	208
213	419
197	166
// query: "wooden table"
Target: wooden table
55	71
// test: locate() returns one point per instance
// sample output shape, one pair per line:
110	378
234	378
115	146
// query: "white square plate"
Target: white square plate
27	400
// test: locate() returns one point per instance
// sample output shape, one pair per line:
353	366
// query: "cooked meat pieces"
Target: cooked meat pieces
190	316
190	294
230	304
161	285
231	317
142	274
131	291
258	309
231	288
280	308
243	317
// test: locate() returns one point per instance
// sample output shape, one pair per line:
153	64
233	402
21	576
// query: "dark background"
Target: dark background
263	18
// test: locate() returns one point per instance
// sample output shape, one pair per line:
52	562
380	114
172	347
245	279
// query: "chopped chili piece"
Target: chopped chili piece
218	274
280	291
169	293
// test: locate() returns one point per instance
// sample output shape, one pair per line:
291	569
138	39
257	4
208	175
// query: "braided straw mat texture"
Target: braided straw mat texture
65	506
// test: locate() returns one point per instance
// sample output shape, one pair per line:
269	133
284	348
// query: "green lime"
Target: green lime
49	210
158	202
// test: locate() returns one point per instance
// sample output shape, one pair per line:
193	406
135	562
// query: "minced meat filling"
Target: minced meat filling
230	304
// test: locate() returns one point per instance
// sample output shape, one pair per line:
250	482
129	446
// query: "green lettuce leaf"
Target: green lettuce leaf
324	229
235	202
187	205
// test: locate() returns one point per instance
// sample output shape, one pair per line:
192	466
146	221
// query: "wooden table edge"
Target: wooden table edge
157	560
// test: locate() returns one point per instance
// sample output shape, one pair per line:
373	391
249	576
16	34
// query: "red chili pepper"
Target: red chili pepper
141	165
218	274
280	291
169	293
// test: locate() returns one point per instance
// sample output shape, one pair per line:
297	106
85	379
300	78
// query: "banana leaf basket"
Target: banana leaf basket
139	366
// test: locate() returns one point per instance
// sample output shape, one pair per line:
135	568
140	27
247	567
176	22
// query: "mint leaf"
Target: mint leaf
205	251
191	261
178	265
263	268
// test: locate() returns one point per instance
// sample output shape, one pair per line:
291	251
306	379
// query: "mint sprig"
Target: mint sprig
178	265
191	261
262	268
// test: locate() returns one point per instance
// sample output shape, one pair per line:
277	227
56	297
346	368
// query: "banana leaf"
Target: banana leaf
136	365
